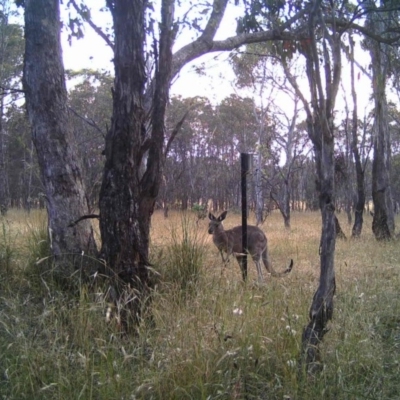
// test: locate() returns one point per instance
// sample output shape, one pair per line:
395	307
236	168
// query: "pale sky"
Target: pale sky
92	52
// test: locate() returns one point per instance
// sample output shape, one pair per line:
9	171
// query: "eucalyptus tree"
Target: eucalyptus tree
359	135
52	135
319	40
323	43
382	20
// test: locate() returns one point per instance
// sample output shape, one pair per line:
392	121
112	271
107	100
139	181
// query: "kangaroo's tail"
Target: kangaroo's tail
271	270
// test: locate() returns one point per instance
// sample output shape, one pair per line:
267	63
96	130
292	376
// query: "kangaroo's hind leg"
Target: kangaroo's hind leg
240	260
257	261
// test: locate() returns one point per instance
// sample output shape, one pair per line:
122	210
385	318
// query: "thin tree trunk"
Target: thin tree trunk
286	202
360	202
46	100
321	310
258	188
383	221
321	131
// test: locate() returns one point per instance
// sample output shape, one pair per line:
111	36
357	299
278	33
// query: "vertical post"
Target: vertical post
244	166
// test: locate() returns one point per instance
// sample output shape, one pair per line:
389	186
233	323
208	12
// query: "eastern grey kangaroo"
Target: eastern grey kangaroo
230	242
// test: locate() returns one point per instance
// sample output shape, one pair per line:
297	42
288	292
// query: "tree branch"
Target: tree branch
85	17
88	121
205	43
177	128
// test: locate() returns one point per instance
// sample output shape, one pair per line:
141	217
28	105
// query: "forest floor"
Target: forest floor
210	336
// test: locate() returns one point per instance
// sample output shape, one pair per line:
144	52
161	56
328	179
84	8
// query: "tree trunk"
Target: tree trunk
46	100
286	201
383	221
360	200
132	171
320	128
258	189
321	310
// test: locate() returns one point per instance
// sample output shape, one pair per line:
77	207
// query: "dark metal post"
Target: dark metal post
244	166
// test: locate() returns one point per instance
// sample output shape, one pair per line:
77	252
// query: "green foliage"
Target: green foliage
198	207
261	15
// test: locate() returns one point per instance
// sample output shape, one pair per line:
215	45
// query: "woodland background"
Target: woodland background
117	148
202	161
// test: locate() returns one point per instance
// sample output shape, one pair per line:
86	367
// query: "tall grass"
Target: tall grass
7	248
183	261
212	337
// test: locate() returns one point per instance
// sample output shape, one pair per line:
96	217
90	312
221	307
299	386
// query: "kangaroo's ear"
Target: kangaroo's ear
211	217
222	216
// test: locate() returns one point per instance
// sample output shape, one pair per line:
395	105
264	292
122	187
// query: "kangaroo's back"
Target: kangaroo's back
256	240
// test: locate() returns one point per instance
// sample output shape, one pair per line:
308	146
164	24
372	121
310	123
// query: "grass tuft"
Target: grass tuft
7	249
183	261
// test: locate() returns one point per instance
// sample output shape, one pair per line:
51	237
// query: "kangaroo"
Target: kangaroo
230	242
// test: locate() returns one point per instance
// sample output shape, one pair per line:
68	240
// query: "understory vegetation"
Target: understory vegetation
210	336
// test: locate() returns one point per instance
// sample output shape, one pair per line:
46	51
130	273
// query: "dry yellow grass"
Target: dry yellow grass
224	339
353	258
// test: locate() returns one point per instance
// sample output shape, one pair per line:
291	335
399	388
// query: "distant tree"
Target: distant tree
359	148
295	147
26	188
11	54
90	105
183	173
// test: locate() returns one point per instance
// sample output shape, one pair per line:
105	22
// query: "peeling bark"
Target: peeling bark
383	220
320	128
134	153
46	100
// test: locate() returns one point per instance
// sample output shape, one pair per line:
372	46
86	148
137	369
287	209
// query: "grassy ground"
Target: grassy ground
211	336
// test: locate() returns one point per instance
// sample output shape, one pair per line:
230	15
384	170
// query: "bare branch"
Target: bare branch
205	43
89	216
88	121
344	24
92	25
7	90
177	128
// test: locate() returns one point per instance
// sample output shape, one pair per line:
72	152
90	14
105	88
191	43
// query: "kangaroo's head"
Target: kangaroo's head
215	222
